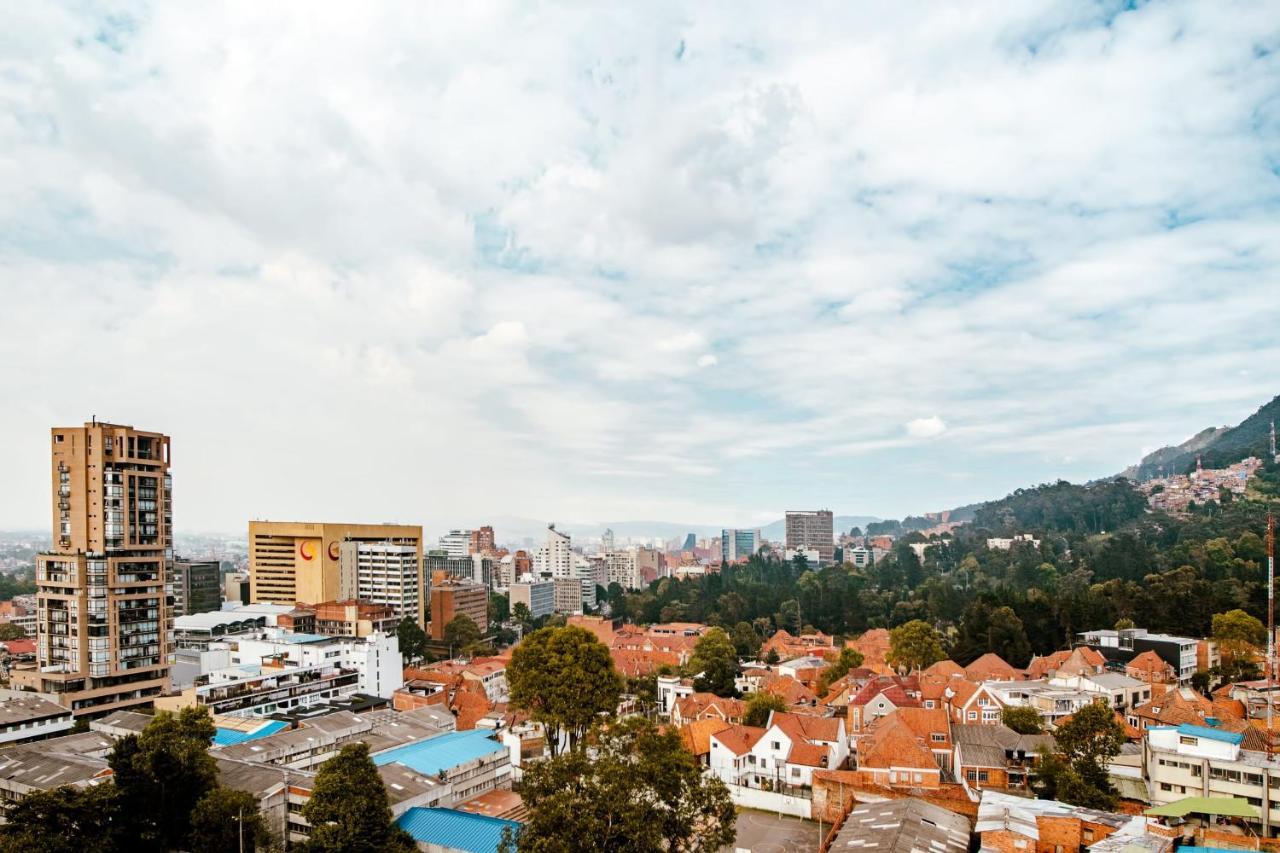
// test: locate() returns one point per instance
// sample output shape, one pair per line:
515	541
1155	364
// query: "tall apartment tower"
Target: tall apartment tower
482	540
197	586
386	573
104	626
812	529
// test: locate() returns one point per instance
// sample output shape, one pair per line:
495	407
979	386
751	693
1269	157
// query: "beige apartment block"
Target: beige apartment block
104	626
298	561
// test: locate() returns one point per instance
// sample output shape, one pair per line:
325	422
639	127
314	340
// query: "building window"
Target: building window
1189	741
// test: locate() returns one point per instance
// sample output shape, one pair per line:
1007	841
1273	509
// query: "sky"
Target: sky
440	263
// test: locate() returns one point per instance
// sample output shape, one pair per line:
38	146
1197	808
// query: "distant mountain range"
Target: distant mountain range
1217	447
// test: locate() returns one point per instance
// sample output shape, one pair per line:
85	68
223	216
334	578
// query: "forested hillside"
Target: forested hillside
1101	558
1217	447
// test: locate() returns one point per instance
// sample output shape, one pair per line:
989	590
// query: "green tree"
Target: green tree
412	639
348	809
462	632
1124	624
1087	742
915	645
849	658
638	791
10	631
1023	719
227	821
66	820
564	677
759	705
520	613
714	662
1238	627
1007	638
772	658
745	640
162	773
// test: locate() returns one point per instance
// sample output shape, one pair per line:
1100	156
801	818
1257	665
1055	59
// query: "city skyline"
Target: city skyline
664	264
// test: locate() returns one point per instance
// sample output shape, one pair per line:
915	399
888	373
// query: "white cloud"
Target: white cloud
926	427
370	247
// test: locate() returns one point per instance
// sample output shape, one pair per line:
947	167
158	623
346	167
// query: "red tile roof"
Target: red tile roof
739	739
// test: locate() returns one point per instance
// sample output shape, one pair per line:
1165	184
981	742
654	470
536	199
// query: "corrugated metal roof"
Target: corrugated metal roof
1212	734
455	830
442	752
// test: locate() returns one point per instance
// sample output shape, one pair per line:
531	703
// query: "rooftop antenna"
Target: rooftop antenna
1271	622
1273	439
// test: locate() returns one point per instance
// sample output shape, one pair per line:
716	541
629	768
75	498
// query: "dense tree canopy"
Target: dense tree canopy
1095	556
714	662
914	645
564	677
348	809
637	791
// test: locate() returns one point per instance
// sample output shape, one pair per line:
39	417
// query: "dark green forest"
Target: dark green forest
1102	557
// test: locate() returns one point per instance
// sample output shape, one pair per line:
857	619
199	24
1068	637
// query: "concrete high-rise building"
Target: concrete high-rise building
104	629
606	541
554	559
538	596
568	595
456	543
386	573
295	561
197	586
451	597
482	540
812	530
737	545
620	568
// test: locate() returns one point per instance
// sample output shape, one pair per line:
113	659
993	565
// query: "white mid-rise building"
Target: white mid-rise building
456	543
621	567
278	671
382	573
555	558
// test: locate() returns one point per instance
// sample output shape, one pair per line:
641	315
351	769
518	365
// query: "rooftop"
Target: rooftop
442	752
230	737
455	830
23	709
903	826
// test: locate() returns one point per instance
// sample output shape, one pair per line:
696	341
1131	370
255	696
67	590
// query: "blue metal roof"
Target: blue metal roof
457	830
1212	734
227	737
442	752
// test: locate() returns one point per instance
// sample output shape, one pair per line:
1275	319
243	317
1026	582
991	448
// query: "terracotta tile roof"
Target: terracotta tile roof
1149	666
925	722
791	691
894	687
696	736
1175	707
696	706
806	727
635	662
807	754
942	670
991	667
1042	667
891	743
1229	709
874	645
738	739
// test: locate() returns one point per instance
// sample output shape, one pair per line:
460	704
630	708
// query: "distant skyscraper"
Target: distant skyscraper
482	540
105	627
690	542
554	560
812	529
456	543
197	586
738	545
606	541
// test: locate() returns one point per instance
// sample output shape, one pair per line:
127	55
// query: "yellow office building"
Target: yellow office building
295	561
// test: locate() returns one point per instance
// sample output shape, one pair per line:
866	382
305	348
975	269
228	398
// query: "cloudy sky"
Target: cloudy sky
692	262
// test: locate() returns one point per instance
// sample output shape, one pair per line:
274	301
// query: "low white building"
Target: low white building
782	755
275	671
